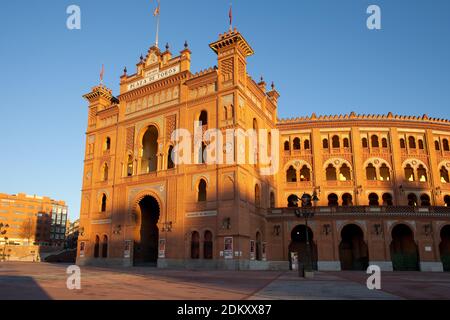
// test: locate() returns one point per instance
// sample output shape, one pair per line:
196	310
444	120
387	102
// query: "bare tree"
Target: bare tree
28	229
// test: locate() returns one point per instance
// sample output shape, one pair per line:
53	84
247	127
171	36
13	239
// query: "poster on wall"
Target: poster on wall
294	260
127	249
82	246
264	256
228	248
162	248
252	249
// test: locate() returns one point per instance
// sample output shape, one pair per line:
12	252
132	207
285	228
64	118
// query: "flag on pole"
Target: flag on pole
102	73
157	10
230	15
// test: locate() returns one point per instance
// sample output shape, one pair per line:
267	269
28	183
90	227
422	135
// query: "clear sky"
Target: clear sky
319	53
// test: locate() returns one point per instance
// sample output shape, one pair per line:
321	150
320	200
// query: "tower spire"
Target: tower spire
156	14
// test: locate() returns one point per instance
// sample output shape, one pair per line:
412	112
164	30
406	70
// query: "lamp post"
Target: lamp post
306	212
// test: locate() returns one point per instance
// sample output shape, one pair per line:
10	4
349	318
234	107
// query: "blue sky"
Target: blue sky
319	53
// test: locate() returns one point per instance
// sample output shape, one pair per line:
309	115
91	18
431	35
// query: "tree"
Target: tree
28	229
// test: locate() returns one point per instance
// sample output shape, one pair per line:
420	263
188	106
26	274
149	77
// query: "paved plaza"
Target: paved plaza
42	281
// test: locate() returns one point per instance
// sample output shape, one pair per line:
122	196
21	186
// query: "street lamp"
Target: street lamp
307	213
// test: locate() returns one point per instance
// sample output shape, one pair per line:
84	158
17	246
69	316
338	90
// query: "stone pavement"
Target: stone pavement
41	281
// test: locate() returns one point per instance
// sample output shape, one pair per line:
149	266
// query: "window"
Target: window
325	143
292	201
108	144
444	175
447	200
202	154
149	161
365	145
385	174
201	191
96	246
421	145
286	146
305	173
296	144
425	200
333	200
412	200
103	205
130	166
373	200
412	142
437	146
105	172
371	172
208	245
422	173
347	200
384	143
346	143
291	174
336	143
375	142
306	144
203	118
170	164
306	200
225	113
195	245
272	199
387	199
105	247
409	173
345	173
402	143
331	173
257	196
445	145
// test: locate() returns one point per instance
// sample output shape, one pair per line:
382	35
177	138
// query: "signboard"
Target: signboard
127	249
153	76
252	250
82	246
228	248
162	248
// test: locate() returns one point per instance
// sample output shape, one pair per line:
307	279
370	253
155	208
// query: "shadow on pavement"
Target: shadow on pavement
21	288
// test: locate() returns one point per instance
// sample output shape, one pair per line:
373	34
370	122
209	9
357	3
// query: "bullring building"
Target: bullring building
378	185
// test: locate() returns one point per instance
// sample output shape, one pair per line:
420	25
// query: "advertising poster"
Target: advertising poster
162	248
82	246
228	248
127	250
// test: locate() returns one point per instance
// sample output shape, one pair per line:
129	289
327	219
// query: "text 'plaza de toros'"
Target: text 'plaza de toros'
377	187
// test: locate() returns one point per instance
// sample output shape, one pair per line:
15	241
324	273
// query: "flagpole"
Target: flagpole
157	23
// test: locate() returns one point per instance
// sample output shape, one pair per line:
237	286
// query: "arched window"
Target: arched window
272	199
409	173
412	200
421	145
201	191
325	143
333	200
445	145
371	172
345	173
195	245
412	142
447	200
130	166
202	154
208	245
387	199
444	175
385	174
149	161
346	143
105	172
422	173
373	200
306	200
97	247
203	118
364	143
296	144
108	144
331	173
425	200
437	145
374	141
170	163
257	196
306	144
384	143
105	247
347	200
402	143
336	143
291	174
103	205
292	201
286	146
305	173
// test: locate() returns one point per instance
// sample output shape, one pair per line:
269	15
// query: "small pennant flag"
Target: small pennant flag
230	15
102	73
157	10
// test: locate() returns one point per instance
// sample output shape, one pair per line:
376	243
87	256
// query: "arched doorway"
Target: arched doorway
97	247
404	251
298	245
353	250
147	237
444	247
